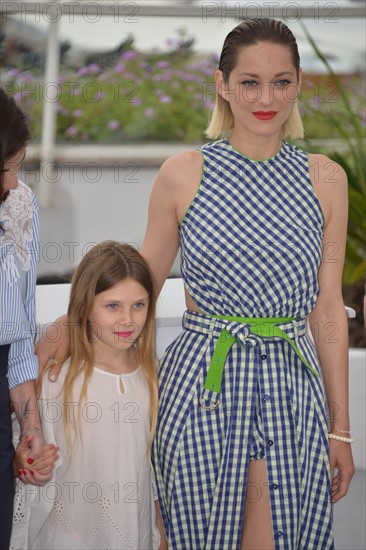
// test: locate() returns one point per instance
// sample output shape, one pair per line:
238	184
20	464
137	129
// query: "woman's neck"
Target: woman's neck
256	147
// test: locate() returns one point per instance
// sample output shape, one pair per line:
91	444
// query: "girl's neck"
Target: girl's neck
116	362
256	147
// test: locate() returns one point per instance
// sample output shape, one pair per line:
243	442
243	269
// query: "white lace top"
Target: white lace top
103	498
19	249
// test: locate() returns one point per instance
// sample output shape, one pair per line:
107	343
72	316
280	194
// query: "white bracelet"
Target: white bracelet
341	438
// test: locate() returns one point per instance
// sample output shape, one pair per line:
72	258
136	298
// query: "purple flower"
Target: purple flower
130	54
94	68
27	78
99	96
77	113
20	96
162	64
119	68
172	43
113	124
14	72
83	71
166	99
72	131
149	112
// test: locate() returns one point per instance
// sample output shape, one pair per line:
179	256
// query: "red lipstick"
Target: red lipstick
124	334
265	115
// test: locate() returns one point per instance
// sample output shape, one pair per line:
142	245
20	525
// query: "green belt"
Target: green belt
264	327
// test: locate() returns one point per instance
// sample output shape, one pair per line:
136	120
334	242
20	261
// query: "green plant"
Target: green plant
353	160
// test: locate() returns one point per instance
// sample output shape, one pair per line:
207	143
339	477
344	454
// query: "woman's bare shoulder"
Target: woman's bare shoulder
325	170
188	160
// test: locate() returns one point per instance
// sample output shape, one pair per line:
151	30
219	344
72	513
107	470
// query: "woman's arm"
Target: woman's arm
328	320
52	346
161	242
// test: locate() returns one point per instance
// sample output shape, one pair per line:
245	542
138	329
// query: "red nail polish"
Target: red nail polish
30	460
20	472
32	472
24	472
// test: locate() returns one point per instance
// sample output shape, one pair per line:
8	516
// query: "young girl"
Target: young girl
102	413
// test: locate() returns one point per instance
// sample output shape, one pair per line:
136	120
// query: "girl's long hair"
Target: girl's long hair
103	267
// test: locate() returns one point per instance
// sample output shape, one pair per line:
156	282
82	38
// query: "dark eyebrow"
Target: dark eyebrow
275	76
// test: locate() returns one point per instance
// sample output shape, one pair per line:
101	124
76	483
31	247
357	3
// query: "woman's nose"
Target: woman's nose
266	93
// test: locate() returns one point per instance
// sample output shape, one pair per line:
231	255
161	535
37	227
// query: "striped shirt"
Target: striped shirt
19	247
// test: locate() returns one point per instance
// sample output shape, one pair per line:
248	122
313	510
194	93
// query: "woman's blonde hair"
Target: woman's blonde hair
104	266
249	33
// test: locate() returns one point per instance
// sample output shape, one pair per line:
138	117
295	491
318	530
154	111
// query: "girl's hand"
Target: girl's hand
340	456
40	471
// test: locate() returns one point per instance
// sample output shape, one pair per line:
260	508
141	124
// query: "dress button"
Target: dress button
279	534
270	442
274	486
263	356
266	397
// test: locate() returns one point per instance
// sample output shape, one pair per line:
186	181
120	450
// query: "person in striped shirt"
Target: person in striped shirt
18	363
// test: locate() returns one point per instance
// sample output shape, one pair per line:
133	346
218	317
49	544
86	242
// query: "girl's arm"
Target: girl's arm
328	320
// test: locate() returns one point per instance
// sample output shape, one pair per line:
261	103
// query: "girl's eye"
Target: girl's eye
112	306
139	305
249	83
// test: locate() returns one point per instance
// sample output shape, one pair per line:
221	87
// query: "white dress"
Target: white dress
103	498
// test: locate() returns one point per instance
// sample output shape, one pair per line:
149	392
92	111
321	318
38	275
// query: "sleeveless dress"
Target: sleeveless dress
251	246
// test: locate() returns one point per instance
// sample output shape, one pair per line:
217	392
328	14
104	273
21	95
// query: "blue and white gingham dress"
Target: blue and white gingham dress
251	246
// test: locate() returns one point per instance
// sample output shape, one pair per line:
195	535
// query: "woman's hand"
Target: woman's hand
40	471
52	346
340	456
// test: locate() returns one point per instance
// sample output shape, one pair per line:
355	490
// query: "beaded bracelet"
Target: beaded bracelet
341	438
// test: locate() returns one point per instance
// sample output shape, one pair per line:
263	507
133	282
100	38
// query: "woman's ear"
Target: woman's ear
220	84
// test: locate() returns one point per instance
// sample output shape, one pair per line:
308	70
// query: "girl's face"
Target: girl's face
118	315
12	166
261	89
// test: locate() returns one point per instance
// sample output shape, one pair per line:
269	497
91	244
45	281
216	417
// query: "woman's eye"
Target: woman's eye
112	306
249	83
139	305
282	83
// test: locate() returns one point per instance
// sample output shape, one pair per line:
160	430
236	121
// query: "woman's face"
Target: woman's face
12	166
261	89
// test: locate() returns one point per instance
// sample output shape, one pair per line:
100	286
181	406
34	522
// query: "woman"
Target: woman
241	450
